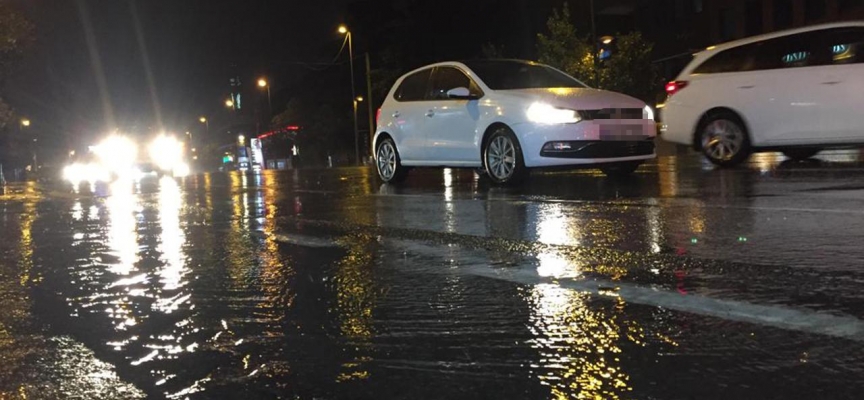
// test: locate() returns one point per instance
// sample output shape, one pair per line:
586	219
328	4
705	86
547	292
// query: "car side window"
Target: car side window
793	51
846	46
732	60
446	78
413	87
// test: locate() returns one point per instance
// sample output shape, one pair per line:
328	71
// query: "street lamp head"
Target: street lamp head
606	39
343	29
359	98
229	103
241	139
203	120
25	122
262	82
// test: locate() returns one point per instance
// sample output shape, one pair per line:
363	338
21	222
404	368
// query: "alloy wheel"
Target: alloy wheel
722	139
386	161
501	158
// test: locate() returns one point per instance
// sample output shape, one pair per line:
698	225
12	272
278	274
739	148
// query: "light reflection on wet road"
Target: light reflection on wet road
682	282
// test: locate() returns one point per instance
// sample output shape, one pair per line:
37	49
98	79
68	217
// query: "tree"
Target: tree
16	34
322	131
627	70
562	48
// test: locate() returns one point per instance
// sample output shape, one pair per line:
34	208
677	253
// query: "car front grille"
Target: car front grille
613	113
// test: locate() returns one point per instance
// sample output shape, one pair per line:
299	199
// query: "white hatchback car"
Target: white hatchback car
506	116
796	91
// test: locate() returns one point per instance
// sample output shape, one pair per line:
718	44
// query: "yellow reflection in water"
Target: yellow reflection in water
579	347
355	297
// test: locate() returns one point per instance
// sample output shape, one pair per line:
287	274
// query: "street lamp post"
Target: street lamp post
357	100
262	83
206	123
25	123
344	30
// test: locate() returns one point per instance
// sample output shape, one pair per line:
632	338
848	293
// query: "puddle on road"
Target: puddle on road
205	290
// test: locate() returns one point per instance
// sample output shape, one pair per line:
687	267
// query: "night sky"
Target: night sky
129	64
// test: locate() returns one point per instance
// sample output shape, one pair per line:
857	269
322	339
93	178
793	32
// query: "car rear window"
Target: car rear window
512	74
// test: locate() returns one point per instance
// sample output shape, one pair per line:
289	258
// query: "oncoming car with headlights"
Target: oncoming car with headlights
118	157
508	116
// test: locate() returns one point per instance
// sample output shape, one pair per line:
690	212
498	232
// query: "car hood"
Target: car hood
575	98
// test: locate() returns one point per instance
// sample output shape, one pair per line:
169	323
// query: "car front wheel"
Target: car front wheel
502	158
387	161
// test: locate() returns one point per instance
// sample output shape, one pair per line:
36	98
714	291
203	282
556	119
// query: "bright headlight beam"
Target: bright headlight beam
117	153
543	113
166	152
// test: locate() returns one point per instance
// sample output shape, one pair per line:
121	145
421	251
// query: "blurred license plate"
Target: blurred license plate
622	132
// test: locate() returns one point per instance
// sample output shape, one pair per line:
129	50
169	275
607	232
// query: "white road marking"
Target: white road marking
473	262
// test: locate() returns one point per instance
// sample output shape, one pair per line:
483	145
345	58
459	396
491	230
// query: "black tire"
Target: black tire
502	158
387	162
620	170
728	148
800	153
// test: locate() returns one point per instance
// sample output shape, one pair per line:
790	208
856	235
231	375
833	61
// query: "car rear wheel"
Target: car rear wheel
724	139
620	170
387	161
502	158
798	154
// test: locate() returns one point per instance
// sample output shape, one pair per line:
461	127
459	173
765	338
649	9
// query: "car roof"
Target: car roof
465	63
703	55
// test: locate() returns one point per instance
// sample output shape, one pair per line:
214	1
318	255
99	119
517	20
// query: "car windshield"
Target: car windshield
507	75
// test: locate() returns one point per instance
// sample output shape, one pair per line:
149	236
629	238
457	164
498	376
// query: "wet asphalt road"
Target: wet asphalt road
682	282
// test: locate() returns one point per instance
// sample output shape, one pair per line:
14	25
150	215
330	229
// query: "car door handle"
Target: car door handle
746	87
831	82
396	114
430	113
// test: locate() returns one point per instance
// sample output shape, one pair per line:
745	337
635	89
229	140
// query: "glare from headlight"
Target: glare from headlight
92	173
647	113
117	154
545	114
166	152
181	170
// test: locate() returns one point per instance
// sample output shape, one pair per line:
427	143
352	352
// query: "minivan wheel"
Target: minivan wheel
800	153
724	140
387	161
620	170
502	158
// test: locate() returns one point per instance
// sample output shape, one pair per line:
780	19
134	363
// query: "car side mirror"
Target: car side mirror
461	93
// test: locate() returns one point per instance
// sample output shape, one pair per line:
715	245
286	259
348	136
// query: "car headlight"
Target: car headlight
648	113
545	114
166	152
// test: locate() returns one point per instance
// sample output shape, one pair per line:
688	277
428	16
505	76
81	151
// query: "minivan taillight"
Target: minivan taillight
675	87
377	116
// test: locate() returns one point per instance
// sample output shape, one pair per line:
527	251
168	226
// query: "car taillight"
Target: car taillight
377	116
675	87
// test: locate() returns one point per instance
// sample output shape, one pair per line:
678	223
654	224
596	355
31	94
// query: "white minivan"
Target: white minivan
797	91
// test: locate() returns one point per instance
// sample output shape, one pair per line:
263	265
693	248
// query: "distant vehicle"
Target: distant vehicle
797	91
507	116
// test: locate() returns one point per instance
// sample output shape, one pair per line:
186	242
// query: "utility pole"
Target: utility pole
594	46
369	106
